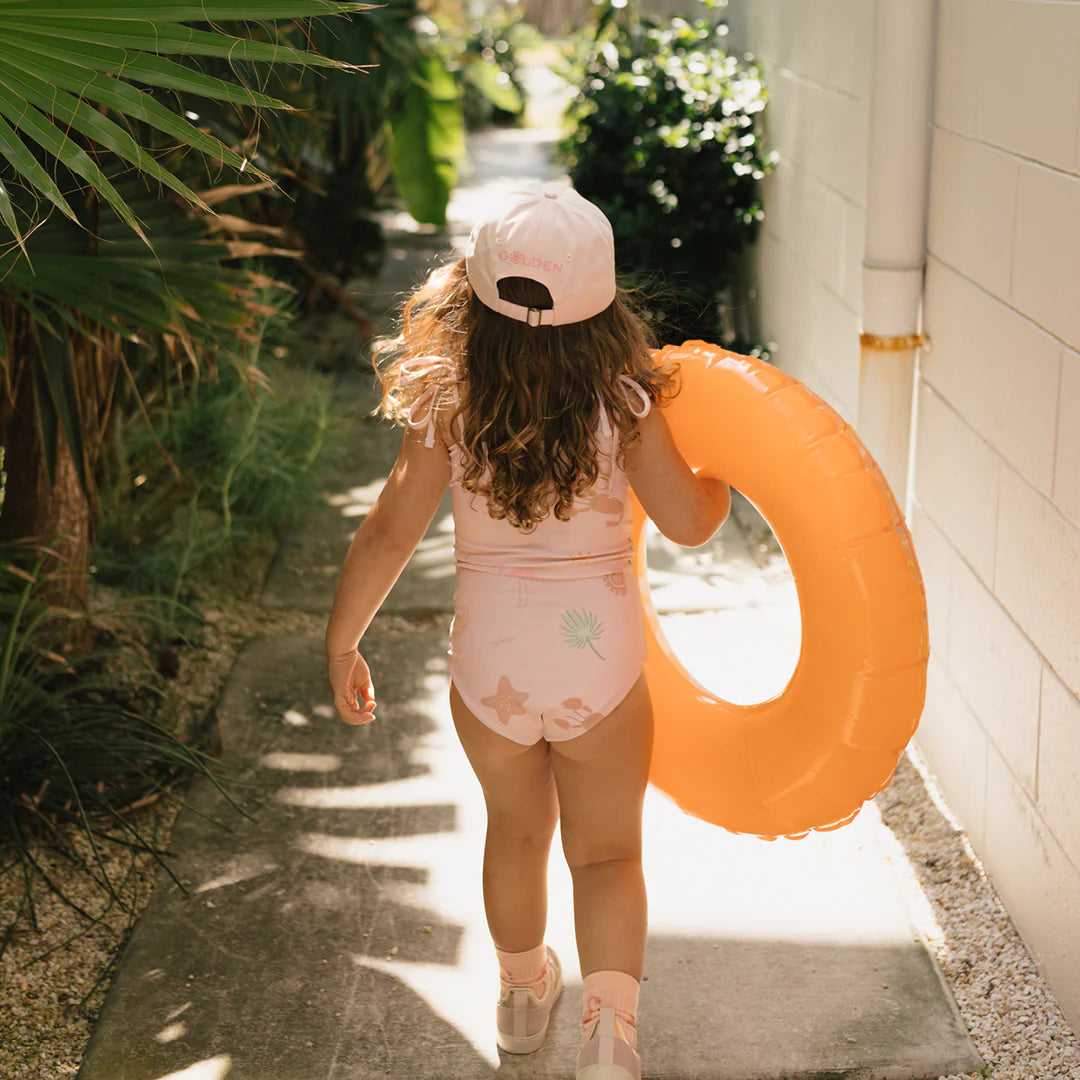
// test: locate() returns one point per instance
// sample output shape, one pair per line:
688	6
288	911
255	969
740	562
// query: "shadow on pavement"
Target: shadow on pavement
338	930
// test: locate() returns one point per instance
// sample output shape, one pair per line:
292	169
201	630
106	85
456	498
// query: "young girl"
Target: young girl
525	382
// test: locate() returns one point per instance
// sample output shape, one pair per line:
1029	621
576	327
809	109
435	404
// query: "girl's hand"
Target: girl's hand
350	680
378	552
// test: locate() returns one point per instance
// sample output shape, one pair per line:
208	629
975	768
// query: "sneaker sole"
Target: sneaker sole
527	1044
605	1072
607	1055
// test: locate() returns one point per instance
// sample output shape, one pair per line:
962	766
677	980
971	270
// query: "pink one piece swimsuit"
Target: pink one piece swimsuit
548	633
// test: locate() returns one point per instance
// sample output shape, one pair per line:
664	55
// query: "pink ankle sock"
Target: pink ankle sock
615	989
526	968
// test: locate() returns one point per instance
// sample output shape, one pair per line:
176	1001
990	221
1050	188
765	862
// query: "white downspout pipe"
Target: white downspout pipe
896	211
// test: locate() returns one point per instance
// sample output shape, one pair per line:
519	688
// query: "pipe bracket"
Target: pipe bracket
894	343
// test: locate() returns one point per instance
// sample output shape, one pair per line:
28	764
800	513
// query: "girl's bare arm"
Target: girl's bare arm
386	539
686	508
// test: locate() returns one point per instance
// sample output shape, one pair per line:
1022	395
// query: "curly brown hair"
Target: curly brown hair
524	400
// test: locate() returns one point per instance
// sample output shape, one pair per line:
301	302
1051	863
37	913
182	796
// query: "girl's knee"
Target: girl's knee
584	856
535	831
610	833
623	866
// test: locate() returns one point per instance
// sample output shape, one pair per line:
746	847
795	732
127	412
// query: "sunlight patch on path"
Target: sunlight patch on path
215	1068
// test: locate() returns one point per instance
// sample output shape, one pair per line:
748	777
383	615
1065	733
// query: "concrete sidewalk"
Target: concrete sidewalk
335	928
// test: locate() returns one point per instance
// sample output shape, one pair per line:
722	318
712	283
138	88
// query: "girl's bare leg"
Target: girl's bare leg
522	808
601	778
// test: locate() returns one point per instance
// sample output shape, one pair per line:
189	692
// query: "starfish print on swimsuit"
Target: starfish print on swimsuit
506	701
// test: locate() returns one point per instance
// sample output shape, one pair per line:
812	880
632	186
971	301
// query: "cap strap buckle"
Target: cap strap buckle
529	316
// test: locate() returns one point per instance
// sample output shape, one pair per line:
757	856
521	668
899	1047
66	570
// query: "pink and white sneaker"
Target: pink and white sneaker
606	1055
521	1019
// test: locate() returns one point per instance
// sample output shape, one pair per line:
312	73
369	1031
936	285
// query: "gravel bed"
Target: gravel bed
53	979
1010	1012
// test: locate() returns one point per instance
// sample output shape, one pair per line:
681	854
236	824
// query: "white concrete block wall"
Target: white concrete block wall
951	734
815	54
973	366
997	460
1046	262
972	224
958	478
1067	462
996	483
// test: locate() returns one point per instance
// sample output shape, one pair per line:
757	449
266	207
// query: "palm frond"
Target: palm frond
74	112
75	73
177	40
580	628
81	296
182	287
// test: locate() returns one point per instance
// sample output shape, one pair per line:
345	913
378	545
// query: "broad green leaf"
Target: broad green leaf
428	142
439	79
446	121
39	128
494	84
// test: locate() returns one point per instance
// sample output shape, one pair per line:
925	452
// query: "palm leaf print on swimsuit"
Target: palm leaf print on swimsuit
580	628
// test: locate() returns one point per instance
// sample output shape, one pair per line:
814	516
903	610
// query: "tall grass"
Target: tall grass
240	448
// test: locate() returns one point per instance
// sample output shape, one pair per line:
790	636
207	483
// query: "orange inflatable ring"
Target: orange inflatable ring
810	757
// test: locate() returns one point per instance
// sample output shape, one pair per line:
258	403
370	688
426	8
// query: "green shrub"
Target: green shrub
666	140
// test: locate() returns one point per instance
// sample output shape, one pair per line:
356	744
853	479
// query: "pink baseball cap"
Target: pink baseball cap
549	233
